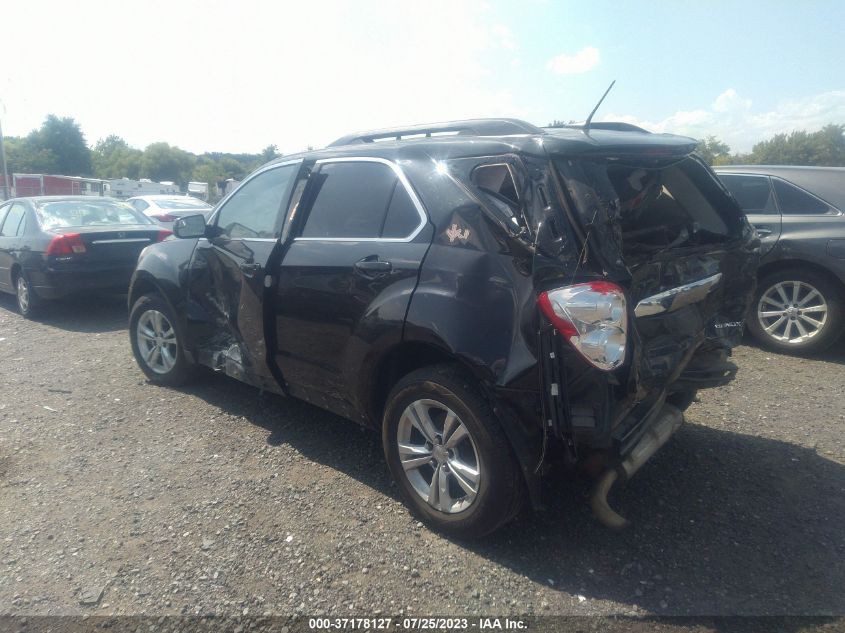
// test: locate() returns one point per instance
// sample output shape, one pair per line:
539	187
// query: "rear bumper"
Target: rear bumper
56	284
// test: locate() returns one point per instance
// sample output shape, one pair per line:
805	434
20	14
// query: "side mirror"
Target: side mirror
189	226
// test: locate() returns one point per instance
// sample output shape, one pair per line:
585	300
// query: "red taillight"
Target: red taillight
594	319
163	234
163	217
66	244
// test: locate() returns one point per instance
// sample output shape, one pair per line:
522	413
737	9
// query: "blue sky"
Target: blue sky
220	75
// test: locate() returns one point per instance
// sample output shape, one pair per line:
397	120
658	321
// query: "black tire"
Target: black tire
500	489
181	369
823	338
29	303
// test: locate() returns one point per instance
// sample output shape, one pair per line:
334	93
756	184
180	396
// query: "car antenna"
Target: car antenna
586	126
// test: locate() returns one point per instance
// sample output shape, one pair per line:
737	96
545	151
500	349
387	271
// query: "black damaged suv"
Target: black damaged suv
490	295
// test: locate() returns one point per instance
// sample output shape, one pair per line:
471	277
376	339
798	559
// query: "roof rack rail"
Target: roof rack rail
470	127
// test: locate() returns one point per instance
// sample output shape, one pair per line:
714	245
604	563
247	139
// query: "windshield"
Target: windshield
65	213
184	203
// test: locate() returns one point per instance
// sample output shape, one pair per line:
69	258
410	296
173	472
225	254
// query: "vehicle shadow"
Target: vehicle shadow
91	314
833	354
721	523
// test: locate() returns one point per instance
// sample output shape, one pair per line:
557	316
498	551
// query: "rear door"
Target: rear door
806	224
226	289
756	197
347	276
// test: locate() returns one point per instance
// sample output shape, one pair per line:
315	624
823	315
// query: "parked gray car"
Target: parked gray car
798	213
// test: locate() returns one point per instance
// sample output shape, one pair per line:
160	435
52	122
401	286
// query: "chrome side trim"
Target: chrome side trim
675	298
123	241
405	183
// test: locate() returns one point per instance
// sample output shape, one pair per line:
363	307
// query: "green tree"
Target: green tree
113	158
269	153
63	138
161	161
24	157
825	147
713	151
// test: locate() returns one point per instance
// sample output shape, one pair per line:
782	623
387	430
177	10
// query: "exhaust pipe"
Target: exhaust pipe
669	420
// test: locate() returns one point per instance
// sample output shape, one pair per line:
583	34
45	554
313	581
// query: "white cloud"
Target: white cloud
730	101
582	61
732	119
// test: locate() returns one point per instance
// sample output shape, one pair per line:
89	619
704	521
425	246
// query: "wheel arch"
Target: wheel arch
524	436
396	362
800	264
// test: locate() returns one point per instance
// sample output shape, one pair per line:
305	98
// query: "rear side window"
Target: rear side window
753	193
795	201
359	200
14	223
498	180
402	217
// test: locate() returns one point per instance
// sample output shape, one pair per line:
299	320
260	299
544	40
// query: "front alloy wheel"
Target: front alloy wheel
156	341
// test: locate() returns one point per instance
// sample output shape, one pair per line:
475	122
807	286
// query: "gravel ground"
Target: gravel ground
119	497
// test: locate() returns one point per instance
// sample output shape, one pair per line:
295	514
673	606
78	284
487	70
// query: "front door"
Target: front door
346	278
227	285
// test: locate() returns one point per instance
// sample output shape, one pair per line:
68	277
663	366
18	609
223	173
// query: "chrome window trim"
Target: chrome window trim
400	175
123	241
676	298
255	174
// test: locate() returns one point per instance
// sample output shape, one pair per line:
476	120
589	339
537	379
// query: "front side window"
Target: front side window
753	193
253	210
14	221
795	201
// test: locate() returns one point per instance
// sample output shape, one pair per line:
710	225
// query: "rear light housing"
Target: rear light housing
163	217
163	234
66	244
593	317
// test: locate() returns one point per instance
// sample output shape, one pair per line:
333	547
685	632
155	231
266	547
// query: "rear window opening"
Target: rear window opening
667	207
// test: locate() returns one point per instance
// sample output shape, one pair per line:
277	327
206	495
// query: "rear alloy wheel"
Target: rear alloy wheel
448	454
28	302
796	312
155	342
